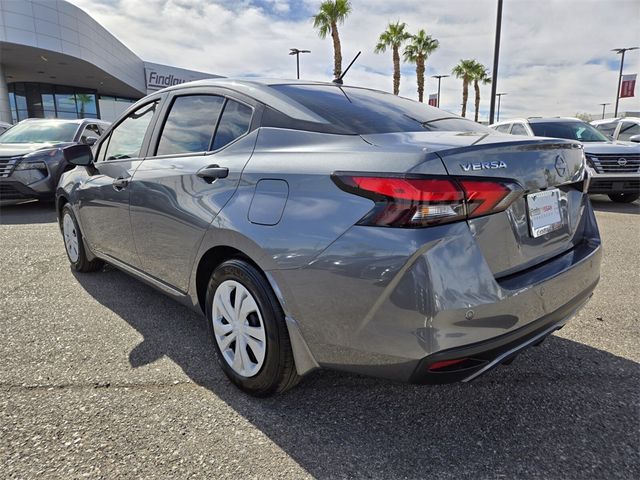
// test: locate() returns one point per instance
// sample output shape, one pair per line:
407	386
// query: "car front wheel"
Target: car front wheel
73	244
624	197
249	330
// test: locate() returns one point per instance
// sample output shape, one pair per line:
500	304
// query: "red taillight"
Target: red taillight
487	196
409	202
446	363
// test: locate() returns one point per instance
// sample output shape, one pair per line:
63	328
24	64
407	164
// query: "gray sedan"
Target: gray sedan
319	225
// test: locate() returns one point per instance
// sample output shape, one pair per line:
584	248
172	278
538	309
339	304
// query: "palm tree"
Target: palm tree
465	70
394	36
481	75
418	50
332	13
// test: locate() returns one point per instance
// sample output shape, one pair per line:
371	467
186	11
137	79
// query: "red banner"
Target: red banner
433	100
627	86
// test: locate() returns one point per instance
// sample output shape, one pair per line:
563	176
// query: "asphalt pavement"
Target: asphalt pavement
103	377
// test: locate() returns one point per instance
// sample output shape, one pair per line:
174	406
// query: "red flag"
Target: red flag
433	100
627	87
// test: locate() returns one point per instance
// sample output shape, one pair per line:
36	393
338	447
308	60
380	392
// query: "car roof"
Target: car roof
554	119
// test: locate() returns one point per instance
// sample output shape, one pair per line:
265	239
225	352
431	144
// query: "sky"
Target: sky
555	55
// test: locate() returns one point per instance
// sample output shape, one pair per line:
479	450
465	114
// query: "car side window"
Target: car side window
90	130
518	129
125	140
628	130
607	128
235	122
190	124
503	128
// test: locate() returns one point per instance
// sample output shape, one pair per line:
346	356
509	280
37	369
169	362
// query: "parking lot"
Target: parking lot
103	377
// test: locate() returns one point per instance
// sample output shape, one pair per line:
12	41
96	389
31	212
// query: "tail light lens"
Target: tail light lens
411	202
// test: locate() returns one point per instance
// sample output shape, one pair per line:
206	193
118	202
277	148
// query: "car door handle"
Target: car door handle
212	172
121	183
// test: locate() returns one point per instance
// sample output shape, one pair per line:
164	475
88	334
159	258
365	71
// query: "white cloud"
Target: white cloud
555	55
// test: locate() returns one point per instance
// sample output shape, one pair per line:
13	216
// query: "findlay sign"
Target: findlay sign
156	80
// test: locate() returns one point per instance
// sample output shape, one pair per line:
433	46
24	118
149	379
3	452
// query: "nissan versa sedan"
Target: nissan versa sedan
31	159
320	225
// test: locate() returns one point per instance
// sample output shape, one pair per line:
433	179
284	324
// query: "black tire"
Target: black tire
624	197
82	264
278	371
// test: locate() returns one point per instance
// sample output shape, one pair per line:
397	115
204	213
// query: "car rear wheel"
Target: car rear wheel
249	330
73	244
624	197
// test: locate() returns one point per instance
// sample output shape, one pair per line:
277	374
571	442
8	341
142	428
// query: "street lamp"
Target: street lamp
499	95
622	51
603	107
297	52
496	56
439	77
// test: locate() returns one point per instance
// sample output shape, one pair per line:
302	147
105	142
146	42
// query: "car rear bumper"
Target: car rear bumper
391	302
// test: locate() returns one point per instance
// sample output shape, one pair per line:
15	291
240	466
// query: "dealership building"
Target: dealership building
58	62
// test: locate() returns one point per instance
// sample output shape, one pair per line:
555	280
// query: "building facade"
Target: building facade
56	61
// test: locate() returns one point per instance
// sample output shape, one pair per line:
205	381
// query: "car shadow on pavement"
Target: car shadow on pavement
561	410
601	203
27	213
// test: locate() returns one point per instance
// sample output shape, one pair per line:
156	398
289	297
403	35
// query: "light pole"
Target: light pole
622	51
499	95
439	77
297	52
603	107
496	56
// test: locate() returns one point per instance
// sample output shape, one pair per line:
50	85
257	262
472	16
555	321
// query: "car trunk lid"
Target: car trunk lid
517	238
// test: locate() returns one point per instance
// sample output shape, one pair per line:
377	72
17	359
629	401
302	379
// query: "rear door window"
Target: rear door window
503	128
607	128
235	122
190	124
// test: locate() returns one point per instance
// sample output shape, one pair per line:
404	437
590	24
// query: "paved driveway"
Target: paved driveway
103	377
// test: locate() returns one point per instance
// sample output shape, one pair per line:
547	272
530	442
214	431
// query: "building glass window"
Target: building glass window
40	100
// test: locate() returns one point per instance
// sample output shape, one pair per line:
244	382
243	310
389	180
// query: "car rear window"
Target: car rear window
363	111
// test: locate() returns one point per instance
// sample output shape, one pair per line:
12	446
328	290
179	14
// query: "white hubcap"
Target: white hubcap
70	237
238	328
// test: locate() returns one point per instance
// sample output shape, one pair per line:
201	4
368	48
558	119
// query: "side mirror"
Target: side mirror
78	155
634	138
89	140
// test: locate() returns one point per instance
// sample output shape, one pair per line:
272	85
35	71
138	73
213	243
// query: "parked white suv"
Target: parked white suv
625	129
614	166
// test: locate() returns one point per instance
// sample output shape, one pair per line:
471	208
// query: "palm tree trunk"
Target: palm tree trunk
420	77
477	89
396	71
337	51
465	96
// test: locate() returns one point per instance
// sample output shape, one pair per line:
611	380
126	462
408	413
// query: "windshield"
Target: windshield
364	111
40	132
573	130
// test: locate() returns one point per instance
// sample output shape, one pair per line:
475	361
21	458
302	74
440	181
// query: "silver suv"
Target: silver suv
614	167
625	129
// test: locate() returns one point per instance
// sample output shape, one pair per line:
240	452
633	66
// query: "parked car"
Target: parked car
4	127
624	129
614	167
31	159
260	204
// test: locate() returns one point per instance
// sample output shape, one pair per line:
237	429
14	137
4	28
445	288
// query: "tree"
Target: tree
418	50
83	99
332	13
481	75
393	37
465	71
